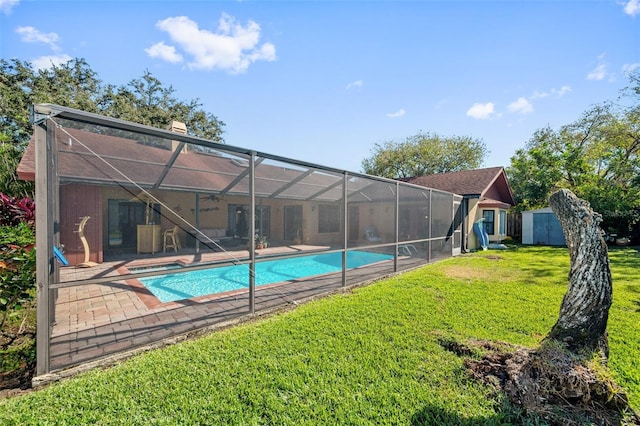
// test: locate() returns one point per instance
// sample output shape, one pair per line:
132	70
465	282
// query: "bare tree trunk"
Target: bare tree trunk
557	382
582	324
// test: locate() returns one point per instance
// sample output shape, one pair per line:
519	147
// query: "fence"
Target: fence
165	234
514	226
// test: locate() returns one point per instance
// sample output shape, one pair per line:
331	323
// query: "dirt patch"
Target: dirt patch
492	257
467	273
16	382
549	383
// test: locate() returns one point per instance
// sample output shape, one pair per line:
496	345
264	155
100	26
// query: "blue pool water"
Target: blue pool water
171	287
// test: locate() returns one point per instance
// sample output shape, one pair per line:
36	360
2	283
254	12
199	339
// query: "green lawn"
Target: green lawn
369	357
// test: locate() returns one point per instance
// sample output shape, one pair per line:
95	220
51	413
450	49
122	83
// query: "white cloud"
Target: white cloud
164	52
632	7
46	62
520	106
7	5
232	47
33	35
553	91
482	111
561	91
355	84
398	113
539	95
600	71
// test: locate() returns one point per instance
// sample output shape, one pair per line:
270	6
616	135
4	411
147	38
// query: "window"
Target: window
293	223
489	220
503	222
238	220
328	218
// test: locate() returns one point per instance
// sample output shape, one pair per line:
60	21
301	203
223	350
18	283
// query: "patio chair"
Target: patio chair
407	250
170	239
371	235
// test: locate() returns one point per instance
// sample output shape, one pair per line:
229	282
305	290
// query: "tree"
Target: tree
424	154
597	157
146	101
536	170
74	84
9	183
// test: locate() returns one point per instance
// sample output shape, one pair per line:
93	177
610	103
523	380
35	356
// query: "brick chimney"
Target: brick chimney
177	127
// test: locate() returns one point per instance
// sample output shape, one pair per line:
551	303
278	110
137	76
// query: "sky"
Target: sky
325	81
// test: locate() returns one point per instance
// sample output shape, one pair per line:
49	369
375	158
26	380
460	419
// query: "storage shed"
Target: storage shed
542	227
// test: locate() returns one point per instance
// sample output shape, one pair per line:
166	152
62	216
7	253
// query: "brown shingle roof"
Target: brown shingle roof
27	167
104	159
490	182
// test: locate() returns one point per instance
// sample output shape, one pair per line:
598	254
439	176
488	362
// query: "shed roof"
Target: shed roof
541	210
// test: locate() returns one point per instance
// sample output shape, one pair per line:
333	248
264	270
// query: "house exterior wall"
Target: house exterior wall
499	223
472	239
476	209
180	207
494	192
77	201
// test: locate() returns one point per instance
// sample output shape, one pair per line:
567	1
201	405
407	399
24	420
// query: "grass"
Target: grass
369	357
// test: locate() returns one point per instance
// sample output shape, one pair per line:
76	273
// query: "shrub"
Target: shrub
17	268
15	210
19	235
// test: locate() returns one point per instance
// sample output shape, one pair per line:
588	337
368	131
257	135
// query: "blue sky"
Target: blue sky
324	81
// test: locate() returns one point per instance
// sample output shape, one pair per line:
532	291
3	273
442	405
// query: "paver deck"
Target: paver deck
96	320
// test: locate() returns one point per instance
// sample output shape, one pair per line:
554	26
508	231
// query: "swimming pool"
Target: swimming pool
172	287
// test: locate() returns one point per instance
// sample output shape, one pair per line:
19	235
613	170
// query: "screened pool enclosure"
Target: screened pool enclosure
146	234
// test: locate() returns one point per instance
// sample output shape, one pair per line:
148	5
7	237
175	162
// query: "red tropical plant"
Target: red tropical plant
15	210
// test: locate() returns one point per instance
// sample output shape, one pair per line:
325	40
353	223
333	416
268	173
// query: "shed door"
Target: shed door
547	230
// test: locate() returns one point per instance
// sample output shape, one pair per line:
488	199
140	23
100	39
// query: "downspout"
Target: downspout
465	218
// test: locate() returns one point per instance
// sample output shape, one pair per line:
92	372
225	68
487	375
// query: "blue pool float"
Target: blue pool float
481	233
58	254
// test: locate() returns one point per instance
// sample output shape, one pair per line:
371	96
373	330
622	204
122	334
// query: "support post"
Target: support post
429	222
252	232
197	234
44	139
397	228
345	237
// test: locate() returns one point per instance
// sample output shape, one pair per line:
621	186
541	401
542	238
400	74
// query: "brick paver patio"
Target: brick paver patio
96	320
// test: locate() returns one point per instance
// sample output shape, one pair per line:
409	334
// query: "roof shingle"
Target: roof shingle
490	182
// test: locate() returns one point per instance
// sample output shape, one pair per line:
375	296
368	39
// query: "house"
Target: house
486	195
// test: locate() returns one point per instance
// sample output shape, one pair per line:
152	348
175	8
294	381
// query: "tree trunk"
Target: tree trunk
582	324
